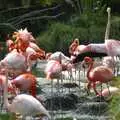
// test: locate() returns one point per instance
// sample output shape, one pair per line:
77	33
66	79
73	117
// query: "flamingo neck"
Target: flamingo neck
7	105
89	70
107	32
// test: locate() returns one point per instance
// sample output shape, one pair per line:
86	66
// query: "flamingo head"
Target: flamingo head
108	9
23	37
86	62
73	46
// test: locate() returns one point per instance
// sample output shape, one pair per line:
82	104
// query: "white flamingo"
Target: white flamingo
24	104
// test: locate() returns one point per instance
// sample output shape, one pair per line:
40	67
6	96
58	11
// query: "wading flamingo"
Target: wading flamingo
100	74
24	104
25	82
65	61
53	69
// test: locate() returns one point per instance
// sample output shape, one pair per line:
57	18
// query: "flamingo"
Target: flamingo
110	47
24	104
22	60
26	82
25	39
15	62
65	61
76	49
53	69
100	74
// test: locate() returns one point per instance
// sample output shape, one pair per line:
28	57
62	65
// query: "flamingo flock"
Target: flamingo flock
16	74
23	52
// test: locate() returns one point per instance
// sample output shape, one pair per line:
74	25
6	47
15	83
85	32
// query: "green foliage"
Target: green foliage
114	105
116	81
57	37
6	116
87	27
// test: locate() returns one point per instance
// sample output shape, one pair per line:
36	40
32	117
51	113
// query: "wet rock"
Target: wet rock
92	108
70	85
98	99
64	102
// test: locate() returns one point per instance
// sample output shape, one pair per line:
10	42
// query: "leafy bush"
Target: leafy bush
114	105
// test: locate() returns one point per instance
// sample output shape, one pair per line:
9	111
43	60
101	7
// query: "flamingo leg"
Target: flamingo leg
94	87
88	87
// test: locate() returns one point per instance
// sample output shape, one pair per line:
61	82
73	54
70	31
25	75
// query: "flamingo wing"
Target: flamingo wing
101	73
113	47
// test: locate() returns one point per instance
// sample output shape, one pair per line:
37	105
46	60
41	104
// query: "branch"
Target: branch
18	18
38	18
8	25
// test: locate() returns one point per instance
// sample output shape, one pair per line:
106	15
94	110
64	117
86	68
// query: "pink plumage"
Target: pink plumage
53	69
26	82
101	74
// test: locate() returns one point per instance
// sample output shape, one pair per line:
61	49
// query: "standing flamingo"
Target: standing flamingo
24	104
100	74
111	47
65	61
53	69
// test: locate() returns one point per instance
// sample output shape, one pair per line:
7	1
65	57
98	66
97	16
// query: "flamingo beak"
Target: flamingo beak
48	76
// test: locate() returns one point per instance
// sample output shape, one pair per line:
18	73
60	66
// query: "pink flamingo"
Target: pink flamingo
100	74
24	39
24	104
15	62
53	69
76	49
21	56
110	47
65	61
26	82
